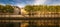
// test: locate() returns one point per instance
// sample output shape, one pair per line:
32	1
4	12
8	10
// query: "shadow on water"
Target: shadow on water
9	24
42	26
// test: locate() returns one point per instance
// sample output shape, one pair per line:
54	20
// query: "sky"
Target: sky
22	3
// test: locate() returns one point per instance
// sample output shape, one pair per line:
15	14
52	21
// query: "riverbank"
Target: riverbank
30	16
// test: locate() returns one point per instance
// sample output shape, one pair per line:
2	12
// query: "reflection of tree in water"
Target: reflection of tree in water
32	24
10	25
6	25
41	26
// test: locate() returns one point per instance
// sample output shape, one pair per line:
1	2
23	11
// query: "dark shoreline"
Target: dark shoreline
29	18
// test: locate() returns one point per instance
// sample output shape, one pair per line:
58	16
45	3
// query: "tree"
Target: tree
9	9
29	9
1	8
6	9
42	8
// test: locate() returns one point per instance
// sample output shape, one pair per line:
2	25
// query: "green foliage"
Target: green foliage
42	8
9	8
6	9
1	8
28	8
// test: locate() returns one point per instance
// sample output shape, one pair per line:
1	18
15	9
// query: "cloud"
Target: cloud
51	2
2	4
55	4
38	2
20	5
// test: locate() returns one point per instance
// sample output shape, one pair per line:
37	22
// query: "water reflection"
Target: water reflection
30	23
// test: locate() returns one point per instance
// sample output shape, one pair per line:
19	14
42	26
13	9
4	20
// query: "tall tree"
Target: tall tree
29	8
9	9
1	8
6	9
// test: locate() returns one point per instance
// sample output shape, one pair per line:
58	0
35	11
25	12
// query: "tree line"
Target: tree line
6	9
42	8
30	8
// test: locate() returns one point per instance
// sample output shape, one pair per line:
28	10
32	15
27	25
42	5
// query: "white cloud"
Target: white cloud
20	5
35	2
2	4
55	4
38	2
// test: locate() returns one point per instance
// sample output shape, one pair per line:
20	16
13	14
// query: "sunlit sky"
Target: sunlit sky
22	3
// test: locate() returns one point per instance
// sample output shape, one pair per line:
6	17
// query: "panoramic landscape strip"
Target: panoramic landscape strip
29	13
